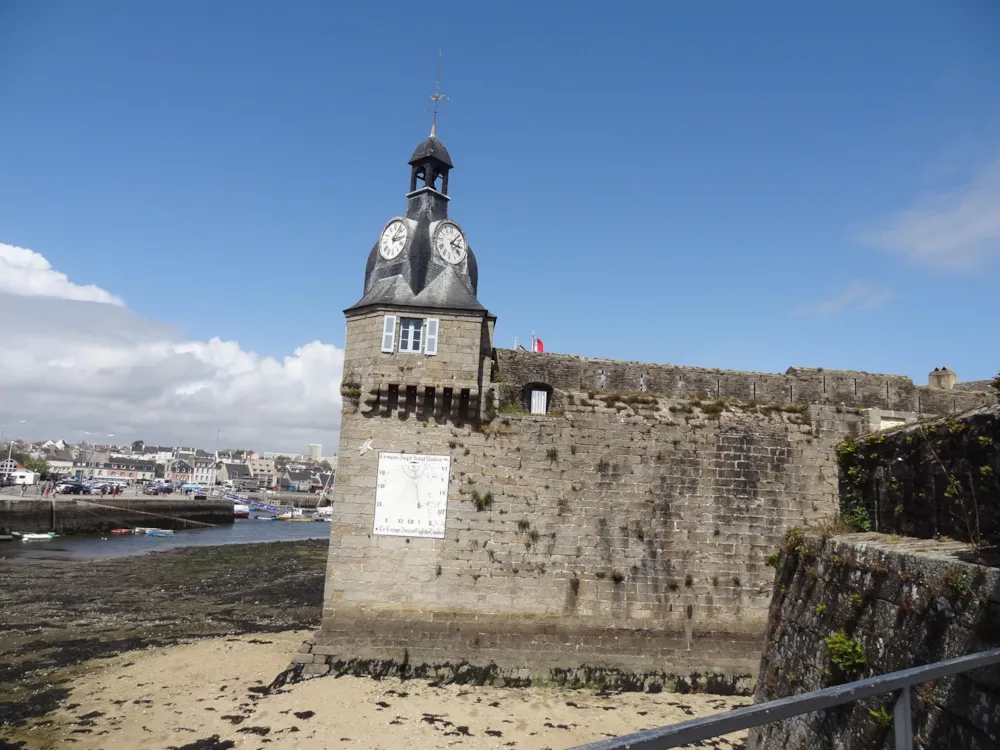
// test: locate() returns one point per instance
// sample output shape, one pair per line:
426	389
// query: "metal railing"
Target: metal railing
738	719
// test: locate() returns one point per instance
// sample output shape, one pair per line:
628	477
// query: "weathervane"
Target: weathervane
436	97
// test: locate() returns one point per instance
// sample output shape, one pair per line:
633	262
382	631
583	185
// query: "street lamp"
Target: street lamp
10	445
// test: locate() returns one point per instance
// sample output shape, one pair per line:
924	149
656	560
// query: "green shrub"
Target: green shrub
857	518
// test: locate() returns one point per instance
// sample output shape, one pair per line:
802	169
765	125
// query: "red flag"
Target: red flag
539	346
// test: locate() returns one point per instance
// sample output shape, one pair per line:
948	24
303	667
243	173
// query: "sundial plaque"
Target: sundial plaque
411	495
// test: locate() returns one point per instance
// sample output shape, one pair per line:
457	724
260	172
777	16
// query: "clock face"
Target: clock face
450	243
393	239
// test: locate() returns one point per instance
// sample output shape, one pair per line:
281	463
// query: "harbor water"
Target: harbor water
102	546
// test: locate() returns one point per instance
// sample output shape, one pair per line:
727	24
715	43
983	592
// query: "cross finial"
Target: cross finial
436	97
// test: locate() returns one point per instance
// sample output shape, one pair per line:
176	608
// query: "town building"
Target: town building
262	470
235	475
179	471
122	467
205	470
299	480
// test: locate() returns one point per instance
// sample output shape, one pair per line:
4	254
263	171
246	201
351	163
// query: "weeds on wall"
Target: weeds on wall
489	405
847	657
351	391
481	502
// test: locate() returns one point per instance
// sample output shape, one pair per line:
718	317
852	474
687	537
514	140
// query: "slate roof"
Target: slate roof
129	463
300	476
418	276
238	471
431	147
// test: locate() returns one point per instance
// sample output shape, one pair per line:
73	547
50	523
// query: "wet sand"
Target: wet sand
57	616
210	694
174	650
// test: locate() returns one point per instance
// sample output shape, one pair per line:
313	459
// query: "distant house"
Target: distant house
158	453
238	475
262	470
122	467
205	470
179	471
300	481
59	461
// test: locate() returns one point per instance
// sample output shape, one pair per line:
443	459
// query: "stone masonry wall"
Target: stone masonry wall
624	540
939	478
462	359
859	605
799	385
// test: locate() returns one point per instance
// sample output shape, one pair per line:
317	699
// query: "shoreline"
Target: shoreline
84	637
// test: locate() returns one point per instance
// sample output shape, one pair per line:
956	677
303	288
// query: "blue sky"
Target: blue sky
738	185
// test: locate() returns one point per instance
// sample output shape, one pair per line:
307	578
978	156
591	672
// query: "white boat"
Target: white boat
37	537
241	510
6	537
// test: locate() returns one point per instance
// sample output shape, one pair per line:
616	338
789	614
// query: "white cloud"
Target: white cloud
859	295
957	229
25	272
77	360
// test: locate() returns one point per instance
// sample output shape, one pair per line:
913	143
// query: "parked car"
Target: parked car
71	488
150	489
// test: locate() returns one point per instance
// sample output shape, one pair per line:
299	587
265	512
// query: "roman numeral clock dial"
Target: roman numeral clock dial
393	239
450	243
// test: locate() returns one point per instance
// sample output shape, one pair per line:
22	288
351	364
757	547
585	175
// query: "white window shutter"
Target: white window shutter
431	336
388	332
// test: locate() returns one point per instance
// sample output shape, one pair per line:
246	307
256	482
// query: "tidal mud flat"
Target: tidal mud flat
175	651
58	615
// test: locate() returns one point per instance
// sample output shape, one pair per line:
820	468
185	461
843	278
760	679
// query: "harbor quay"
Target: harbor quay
68	514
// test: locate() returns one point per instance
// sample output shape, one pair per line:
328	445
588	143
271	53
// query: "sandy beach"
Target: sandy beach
208	694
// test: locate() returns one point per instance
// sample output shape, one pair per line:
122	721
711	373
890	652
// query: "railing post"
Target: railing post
902	719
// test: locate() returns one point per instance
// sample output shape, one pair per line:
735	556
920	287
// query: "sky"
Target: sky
189	191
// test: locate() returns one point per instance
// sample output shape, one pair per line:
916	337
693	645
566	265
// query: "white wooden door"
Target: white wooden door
539	402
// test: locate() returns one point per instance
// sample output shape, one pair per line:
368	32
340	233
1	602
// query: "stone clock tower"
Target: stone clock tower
419	344
417	358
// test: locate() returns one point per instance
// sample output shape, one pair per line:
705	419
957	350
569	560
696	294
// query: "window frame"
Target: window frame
409	327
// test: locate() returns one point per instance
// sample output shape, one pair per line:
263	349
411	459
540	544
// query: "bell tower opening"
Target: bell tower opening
429	166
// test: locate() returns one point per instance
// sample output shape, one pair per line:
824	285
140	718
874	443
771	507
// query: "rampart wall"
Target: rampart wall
798	385
624	537
860	605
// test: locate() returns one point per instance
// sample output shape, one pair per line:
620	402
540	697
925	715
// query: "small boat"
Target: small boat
6	537
295	515
241	511
266	518
38	537
159	532
121	531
